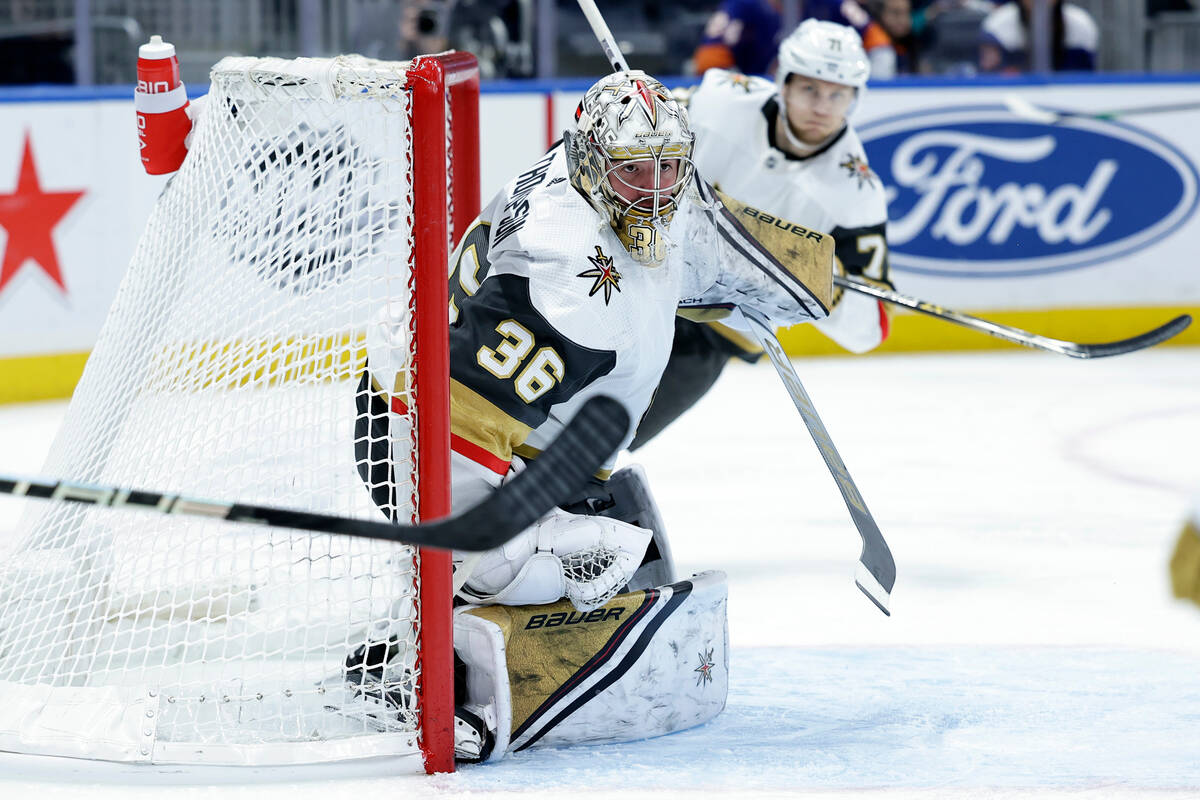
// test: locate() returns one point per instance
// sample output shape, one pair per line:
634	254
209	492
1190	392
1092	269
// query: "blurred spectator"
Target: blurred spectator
891	29
1004	41
947	34
402	30
742	35
865	16
926	12
1157	6
37	58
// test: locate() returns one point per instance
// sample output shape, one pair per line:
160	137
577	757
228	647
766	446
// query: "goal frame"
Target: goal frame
440	82
443	178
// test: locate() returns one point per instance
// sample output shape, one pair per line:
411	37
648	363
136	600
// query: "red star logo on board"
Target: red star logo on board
604	272
29	215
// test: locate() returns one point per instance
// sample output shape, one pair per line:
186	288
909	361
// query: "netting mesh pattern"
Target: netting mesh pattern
228	368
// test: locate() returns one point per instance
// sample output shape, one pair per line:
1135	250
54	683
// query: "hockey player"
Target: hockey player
565	287
1185	560
788	149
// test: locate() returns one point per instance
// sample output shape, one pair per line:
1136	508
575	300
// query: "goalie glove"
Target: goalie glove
781	270
586	559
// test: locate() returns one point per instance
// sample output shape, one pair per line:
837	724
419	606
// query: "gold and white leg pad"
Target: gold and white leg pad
646	663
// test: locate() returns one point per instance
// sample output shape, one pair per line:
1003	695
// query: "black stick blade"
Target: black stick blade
1143	340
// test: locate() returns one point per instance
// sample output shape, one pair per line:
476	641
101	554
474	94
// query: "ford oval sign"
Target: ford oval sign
974	192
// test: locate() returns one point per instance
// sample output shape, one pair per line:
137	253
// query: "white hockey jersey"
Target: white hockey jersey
831	190
548	309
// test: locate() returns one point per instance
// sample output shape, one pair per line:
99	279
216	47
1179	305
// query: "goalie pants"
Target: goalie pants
698	355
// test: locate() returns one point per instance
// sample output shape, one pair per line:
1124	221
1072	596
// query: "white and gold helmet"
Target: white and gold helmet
623	118
824	50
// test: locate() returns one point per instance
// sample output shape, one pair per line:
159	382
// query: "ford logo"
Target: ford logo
975	192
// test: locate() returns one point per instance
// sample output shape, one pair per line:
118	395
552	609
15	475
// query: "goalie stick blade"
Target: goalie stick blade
1017	336
874	591
580	450
876	569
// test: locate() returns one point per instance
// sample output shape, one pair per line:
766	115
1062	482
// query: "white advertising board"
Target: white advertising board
988	211
73	200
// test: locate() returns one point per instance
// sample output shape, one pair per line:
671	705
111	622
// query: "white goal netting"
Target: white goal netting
228	369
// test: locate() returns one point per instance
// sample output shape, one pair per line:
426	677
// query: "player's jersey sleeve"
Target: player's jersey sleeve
857	209
863	252
725	112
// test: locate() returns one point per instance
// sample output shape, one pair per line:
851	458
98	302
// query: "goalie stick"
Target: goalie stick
877	569
1036	341
580	450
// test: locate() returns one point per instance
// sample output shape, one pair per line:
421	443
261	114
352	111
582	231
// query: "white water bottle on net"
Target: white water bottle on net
229	367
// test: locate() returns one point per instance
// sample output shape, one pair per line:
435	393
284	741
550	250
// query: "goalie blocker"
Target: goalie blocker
647	663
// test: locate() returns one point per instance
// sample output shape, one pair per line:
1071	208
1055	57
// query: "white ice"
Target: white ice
1034	649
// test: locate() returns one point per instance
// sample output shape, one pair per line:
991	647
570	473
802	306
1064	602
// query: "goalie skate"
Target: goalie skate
379	687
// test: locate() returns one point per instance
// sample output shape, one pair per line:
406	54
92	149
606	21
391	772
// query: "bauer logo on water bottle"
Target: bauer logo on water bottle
974	191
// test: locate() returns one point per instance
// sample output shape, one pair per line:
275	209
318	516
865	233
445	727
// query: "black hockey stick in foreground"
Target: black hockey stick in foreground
877	569
1036	341
581	449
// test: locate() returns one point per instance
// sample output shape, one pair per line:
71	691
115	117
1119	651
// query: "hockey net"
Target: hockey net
228	368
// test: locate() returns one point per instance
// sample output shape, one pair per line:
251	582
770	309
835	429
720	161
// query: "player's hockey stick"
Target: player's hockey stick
1027	110
581	449
1036	341
877	570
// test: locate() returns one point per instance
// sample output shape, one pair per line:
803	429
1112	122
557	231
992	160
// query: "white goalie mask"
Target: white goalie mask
826	51
621	156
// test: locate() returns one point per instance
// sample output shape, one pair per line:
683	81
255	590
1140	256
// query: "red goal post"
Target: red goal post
447	81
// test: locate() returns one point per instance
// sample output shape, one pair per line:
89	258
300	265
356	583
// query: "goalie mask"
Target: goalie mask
630	155
826	51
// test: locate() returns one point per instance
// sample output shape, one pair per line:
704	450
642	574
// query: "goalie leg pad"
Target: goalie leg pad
645	664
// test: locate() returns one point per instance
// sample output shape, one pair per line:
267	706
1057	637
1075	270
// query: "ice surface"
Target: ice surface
1034	650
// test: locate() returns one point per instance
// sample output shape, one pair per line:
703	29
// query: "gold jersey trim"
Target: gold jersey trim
484	424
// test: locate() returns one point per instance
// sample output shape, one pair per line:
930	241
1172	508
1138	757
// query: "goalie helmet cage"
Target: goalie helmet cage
318	193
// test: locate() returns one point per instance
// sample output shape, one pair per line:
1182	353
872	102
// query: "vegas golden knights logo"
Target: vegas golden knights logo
604	273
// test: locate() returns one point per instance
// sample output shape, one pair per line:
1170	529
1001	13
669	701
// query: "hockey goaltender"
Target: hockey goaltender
566	287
